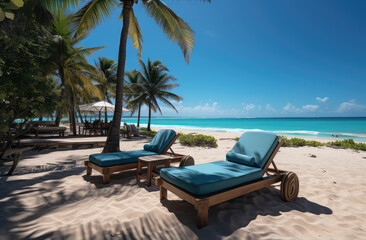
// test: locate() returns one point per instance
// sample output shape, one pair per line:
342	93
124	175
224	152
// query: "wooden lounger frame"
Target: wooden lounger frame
106	171
289	189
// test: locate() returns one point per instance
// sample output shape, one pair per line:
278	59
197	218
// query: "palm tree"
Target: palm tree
107	69
175	28
132	90
75	73
155	86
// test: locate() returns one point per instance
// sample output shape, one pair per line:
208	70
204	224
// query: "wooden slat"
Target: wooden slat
237	192
279	144
170	144
180	193
111	169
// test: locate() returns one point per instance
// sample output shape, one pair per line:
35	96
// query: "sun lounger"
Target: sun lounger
243	171
132	130
107	163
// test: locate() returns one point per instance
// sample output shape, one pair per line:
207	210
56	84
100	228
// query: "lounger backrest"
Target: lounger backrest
253	149
161	140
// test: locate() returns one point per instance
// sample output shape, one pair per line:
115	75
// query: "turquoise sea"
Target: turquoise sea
326	128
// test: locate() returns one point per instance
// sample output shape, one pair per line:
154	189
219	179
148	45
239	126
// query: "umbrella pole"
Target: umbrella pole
100	114
105	115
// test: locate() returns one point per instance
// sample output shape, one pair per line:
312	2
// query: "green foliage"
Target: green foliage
150	133
237	138
7	8
348	143
174	27
25	90
199	140
299	142
154	86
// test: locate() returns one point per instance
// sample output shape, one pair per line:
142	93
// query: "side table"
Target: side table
151	162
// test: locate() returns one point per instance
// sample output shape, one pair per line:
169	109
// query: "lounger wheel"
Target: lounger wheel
289	187
186	161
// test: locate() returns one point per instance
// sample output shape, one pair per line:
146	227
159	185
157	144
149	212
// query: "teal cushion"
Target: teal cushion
260	145
151	148
161	140
240	158
210	177
118	158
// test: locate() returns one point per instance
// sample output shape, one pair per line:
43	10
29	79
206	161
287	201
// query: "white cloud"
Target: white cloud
291	108
208	109
249	107
322	100
270	108
310	108
351	106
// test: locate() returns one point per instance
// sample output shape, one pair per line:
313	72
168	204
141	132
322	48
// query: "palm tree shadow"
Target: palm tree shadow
239	212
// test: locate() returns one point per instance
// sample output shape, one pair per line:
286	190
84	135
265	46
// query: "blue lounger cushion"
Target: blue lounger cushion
118	158
210	177
260	145
160	141
240	158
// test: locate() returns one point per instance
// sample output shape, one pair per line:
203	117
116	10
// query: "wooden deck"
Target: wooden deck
65	142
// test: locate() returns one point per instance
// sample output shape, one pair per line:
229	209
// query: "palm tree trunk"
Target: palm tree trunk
148	124
58	115
72	112
138	117
112	143
80	116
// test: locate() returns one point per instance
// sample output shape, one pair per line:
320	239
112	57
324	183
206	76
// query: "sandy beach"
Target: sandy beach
50	196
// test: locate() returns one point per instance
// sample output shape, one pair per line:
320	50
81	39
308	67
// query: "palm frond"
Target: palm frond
134	32
92	14
174	27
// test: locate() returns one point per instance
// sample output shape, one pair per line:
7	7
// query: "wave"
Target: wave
304	133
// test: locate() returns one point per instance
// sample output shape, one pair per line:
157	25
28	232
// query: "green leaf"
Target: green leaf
40	99
2	15
18	3
9	15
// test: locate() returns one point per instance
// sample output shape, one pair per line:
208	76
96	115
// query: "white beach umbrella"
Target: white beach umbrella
101	106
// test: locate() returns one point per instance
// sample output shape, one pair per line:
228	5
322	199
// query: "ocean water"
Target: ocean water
323	128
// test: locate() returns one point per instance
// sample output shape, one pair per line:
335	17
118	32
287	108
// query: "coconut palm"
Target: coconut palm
132	90
175	28
107	69
156	86
75	73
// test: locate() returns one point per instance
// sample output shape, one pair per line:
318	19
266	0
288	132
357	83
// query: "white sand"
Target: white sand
49	196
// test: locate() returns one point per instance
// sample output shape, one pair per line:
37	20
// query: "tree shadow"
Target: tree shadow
263	202
49	191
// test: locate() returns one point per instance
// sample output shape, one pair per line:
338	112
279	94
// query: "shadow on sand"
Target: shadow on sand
263	202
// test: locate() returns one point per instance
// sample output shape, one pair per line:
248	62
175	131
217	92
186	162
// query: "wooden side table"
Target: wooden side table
151	162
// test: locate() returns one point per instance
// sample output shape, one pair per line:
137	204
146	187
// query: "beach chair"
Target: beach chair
132	130
107	163
243	172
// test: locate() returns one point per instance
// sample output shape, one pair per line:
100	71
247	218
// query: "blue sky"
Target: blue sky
257	58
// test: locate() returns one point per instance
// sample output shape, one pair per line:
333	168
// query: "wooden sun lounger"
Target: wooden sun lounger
289	189
106	171
129	133
59	130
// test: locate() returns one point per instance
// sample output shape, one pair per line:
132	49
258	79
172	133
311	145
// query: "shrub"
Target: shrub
299	142
348	143
151	133
199	140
